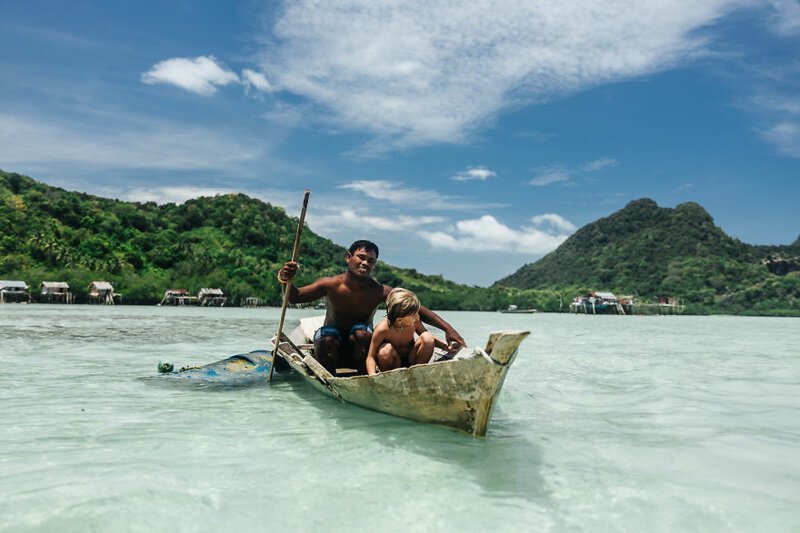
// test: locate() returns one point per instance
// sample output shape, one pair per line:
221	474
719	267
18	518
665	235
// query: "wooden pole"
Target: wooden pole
288	285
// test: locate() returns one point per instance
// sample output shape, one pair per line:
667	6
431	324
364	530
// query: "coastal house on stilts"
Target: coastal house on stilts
102	292
211	297
253	302
56	292
599	302
178	297
14	291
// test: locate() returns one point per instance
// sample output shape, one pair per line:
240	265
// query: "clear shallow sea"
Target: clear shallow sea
604	424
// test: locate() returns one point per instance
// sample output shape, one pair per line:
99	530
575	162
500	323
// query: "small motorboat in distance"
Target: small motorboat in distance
514	309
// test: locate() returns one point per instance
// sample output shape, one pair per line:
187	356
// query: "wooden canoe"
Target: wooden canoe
457	392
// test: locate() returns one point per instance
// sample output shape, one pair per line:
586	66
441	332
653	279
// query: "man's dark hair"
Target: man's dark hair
364	245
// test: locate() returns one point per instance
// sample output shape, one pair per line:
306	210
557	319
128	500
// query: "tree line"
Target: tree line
237	243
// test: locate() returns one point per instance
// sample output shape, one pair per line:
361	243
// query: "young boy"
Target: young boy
393	344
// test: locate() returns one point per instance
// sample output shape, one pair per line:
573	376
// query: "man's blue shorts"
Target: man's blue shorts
330	330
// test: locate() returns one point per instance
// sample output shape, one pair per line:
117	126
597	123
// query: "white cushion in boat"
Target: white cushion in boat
310	325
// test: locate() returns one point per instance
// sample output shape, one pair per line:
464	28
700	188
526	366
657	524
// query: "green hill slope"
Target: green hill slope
648	250
229	241
237	243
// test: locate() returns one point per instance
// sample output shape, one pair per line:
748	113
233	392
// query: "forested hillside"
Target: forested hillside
229	241
648	250
237	243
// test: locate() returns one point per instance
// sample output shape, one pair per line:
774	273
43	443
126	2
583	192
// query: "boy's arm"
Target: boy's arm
454	340
437	342
372	362
309	293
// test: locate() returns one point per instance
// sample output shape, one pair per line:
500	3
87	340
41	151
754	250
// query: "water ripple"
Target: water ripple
604	423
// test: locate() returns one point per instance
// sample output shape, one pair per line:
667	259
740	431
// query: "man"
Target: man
351	300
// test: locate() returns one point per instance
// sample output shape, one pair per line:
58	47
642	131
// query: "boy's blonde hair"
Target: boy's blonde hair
400	303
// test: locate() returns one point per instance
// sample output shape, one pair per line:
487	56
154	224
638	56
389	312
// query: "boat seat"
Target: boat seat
463	353
308	326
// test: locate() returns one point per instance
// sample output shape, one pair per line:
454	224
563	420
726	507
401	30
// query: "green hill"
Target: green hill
229	241
648	250
237	243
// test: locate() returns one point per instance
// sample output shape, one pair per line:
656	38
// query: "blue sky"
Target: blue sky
465	138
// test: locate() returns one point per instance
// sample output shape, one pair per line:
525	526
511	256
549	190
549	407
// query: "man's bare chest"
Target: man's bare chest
345	299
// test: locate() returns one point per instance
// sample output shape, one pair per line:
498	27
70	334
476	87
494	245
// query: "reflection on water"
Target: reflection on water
621	423
505	464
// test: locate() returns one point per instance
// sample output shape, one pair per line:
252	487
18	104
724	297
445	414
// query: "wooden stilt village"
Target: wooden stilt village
102	292
206	297
57	292
607	303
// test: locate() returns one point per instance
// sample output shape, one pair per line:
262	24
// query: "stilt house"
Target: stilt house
178	297
252	301
598	302
102	292
14	291
56	292
211	297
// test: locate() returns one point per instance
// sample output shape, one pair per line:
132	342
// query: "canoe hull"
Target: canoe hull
458	393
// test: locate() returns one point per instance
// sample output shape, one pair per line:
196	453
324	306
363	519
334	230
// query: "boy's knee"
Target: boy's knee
387	356
386	351
426	339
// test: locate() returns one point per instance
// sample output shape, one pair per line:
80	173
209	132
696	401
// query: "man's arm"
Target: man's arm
299	295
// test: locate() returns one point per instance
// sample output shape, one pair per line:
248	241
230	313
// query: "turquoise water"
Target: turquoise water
605	423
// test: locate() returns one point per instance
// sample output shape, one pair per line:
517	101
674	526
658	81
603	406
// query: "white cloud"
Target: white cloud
548	175
780	116
396	194
559	173
287	115
786	17
487	234
475	173
777	104
598	164
256	80
559	224
176	194
785	135
429	71
365	221
50	36
120	143
201	75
